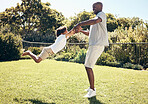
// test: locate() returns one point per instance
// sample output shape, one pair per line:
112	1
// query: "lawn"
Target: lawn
55	82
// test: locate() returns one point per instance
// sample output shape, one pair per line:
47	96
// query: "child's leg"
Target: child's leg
33	56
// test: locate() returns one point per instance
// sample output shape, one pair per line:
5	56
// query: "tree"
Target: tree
32	16
129	22
123	22
82	16
146	24
135	21
111	22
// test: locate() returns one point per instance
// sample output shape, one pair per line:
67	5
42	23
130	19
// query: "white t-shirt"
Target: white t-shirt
59	44
98	32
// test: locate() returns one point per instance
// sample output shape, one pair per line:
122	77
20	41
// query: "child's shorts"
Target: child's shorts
46	52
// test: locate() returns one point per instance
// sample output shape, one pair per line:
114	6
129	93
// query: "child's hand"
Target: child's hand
73	31
77	30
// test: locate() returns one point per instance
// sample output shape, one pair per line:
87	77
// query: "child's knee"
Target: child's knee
38	60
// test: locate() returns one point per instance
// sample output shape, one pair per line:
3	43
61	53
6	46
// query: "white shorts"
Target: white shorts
92	55
46	52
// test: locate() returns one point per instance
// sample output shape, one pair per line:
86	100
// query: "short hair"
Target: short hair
61	30
98	3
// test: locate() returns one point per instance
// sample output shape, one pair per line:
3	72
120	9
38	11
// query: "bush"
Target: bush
76	55
114	64
35	50
105	58
128	65
10	46
64	57
80	58
132	66
138	67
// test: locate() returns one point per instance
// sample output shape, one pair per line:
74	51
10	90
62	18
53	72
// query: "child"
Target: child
60	42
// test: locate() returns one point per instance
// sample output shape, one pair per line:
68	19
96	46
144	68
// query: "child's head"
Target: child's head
61	30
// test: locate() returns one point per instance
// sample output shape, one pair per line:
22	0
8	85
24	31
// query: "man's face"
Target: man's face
97	8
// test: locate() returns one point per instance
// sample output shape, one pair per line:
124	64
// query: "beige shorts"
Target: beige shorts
46	52
92	55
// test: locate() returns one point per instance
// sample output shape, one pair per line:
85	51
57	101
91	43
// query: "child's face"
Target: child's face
65	32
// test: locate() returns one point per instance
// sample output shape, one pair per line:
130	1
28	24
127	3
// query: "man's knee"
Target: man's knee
87	68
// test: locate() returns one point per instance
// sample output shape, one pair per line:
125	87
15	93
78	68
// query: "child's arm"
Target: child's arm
70	33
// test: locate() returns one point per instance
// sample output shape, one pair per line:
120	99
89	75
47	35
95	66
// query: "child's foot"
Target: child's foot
26	53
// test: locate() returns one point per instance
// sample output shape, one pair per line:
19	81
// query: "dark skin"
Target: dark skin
97	7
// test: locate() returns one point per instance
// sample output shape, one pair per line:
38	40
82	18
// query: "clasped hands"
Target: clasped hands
77	28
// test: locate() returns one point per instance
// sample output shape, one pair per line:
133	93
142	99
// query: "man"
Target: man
98	39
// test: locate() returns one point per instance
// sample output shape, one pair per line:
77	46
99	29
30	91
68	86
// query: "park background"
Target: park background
31	24
34	21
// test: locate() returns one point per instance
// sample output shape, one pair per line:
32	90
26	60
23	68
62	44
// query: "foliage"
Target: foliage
108	60
32	17
105	58
78	38
138	34
10	46
68	54
129	22
35	50
133	53
36	21
113	64
82	16
118	57
80	58
72	54
132	66
64	57
111	22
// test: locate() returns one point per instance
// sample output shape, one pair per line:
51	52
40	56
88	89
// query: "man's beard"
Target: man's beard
97	12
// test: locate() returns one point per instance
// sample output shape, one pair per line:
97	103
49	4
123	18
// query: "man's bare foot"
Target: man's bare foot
26	53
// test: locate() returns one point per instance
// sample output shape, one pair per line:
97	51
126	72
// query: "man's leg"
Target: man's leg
90	77
91	91
33	56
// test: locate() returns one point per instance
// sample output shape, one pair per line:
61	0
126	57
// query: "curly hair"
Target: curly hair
61	30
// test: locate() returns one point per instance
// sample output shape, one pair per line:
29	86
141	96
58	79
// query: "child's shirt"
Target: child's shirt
59	44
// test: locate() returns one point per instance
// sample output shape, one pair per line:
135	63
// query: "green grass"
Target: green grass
53	82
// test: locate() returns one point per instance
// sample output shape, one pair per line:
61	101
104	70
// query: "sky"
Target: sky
120	8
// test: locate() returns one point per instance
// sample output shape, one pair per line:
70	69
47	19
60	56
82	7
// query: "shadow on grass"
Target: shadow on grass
33	101
93	100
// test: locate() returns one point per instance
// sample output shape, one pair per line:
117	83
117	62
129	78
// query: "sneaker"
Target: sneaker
90	93
89	89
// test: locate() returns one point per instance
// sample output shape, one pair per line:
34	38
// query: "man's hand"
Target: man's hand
77	28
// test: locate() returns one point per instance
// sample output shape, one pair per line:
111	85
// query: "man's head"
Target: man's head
97	7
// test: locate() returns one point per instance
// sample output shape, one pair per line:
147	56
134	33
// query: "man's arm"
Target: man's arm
88	22
85	32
